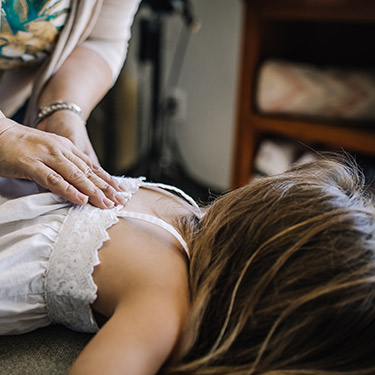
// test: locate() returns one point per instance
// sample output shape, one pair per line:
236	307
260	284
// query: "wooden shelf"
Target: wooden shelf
269	32
354	139
332	10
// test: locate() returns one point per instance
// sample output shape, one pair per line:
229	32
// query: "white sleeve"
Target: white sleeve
112	31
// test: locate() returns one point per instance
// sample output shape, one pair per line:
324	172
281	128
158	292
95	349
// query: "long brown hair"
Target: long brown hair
282	277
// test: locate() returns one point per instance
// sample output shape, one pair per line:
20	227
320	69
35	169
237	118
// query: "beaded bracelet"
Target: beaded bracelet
48	110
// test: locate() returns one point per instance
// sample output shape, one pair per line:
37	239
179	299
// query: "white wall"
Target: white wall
209	78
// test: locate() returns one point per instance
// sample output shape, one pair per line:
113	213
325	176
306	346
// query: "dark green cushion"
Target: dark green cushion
46	351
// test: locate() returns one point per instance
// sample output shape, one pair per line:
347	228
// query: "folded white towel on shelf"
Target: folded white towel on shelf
302	89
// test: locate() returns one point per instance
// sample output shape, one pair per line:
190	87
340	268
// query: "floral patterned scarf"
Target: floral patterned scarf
28	30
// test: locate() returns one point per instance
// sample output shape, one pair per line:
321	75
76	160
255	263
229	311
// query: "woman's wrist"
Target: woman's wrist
6	124
4	129
50	109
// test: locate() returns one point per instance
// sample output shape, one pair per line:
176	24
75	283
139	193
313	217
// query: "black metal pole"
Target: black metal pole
155	149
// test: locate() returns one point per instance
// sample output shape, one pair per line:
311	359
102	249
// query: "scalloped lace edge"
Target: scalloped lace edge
70	288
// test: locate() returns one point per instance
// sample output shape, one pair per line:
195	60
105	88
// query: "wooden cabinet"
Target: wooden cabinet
335	32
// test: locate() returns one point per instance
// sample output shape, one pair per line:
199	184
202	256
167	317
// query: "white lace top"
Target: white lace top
48	251
70	289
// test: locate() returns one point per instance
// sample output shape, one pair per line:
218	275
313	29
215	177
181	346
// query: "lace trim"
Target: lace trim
70	288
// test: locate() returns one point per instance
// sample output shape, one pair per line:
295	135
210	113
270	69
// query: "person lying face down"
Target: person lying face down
276	277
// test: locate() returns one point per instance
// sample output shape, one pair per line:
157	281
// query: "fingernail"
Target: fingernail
119	186
108	203
116	184
120	199
83	198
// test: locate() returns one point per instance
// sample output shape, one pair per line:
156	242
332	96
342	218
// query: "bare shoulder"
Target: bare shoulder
141	258
143	290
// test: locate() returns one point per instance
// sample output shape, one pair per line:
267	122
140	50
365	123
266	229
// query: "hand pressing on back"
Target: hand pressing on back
56	164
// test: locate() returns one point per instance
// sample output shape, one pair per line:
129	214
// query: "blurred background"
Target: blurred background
217	92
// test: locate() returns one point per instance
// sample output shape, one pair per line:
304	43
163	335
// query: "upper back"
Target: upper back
141	255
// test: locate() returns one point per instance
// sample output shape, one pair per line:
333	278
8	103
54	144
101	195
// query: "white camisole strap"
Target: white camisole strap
187	197
156	221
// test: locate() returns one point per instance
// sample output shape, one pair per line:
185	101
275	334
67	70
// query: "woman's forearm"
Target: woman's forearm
83	79
65	161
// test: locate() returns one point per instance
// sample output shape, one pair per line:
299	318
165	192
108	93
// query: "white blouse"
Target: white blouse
48	251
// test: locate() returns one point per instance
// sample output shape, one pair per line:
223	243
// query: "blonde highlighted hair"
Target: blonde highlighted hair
282	277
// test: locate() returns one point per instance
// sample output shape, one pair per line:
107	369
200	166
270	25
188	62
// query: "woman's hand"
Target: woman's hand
56	164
